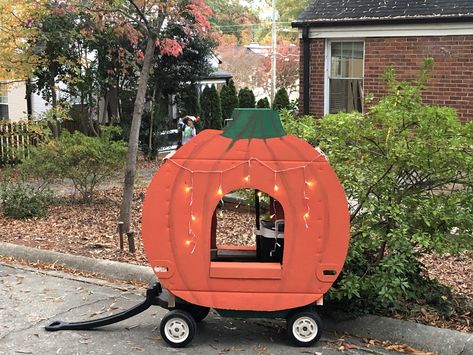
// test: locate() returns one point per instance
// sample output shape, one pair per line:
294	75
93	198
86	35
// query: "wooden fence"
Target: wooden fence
16	139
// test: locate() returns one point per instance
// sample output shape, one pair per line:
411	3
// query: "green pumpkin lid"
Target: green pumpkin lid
251	123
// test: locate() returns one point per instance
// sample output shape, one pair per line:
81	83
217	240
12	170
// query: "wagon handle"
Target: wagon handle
152	295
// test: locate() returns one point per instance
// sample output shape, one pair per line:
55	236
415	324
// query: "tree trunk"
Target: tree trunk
130	170
151	121
52	86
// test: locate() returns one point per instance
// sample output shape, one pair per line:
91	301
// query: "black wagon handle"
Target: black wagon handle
152	295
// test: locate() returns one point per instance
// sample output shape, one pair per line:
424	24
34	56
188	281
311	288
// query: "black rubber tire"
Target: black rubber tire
197	312
301	327
184	319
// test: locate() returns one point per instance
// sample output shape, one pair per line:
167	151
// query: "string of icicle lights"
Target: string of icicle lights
308	183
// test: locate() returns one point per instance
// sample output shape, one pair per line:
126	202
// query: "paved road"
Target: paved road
30	298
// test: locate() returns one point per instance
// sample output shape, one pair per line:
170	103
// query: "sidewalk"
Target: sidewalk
31	298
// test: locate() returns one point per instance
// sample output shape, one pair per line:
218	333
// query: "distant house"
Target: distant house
16	104
217	77
347	44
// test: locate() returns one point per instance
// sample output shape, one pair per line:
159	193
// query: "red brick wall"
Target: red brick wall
451	82
317	63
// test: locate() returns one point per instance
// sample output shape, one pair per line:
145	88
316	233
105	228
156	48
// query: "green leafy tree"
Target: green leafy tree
229	99
189	101
58	56
281	100
232	19
290	10
211	108
246	98
263	103
173	74
175	78
407	169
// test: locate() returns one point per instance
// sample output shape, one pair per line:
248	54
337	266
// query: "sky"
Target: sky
263	7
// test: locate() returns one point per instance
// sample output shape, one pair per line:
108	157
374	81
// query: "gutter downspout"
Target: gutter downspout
306	70
29	99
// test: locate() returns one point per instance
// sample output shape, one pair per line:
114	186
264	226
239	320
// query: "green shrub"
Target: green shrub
19	200
86	161
211	108
43	165
229	99
407	169
281	100
263	103
246	98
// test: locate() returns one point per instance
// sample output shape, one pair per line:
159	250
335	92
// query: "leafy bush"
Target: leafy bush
19	200
281	100
229	99
407	169
87	161
246	98
263	103
211	108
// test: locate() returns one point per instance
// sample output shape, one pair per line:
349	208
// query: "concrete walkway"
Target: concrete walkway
30	298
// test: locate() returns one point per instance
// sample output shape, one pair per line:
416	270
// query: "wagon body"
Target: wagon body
254	153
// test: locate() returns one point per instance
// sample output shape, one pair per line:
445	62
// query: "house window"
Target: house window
345	76
3	101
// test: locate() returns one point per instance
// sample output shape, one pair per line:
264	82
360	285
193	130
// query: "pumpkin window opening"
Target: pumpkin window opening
247	226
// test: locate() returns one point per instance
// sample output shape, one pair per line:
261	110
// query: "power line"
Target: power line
251	24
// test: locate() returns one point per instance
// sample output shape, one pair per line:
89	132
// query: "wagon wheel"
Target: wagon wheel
304	327
197	312
177	328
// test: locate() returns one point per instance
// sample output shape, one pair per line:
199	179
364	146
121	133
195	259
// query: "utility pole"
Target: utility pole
274	48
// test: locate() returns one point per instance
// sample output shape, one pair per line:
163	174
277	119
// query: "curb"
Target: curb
424	337
419	336
106	268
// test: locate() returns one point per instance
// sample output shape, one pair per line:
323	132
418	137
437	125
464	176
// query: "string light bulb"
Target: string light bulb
309	183
188	188
247	178
193	218
306	216
220	192
276	187
188	242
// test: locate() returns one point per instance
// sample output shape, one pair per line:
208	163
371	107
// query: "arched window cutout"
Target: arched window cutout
248	226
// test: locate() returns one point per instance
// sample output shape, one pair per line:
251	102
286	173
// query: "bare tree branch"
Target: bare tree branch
360	205
141	15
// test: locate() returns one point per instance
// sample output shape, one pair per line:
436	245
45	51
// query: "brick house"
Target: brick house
347	44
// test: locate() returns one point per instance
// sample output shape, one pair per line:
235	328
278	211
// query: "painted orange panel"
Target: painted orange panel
246	270
181	200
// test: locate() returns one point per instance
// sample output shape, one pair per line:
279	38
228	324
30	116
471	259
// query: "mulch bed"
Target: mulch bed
91	230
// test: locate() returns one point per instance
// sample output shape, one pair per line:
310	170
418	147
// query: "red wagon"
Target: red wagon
300	249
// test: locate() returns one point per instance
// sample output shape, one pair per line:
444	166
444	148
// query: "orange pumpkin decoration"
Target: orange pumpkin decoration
254	152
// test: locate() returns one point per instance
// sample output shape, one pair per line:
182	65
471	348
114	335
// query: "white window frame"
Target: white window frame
328	67
4	102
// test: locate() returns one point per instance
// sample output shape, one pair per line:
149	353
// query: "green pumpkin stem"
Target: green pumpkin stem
251	123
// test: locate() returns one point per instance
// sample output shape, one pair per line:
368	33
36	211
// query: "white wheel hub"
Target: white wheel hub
176	330
305	329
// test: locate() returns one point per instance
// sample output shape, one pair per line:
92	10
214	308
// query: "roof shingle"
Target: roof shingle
322	11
